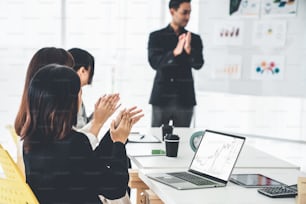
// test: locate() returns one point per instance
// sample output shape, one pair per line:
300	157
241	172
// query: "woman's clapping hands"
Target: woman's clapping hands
121	127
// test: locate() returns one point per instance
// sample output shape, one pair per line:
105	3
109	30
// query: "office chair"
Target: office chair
13	188
16	140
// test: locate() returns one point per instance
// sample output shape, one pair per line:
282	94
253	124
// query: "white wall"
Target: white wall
26	26
116	33
277	117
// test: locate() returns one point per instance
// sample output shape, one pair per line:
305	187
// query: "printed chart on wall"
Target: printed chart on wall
228	33
278	8
267	67
244	8
269	34
253	47
226	67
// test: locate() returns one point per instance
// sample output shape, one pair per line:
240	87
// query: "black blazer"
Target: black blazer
173	79
69	171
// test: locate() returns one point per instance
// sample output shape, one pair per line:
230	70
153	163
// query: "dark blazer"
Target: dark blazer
69	171
173	79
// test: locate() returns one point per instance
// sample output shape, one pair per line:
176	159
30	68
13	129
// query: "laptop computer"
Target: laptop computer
212	163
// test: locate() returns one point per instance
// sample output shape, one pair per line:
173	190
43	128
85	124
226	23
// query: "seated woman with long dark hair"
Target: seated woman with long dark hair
61	166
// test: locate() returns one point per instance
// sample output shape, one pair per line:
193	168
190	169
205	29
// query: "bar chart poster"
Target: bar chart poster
228	33
227	67
267	67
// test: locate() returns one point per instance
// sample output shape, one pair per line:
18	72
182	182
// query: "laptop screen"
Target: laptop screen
217	154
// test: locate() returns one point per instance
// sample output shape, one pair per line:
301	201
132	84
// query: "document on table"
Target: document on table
138	137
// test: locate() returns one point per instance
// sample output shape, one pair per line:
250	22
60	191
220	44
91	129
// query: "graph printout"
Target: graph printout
228	33
278	8
244	8
269	34
266	67
218	155
227	67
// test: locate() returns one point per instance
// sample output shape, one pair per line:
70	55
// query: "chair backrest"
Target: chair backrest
17	142
13	133
9	167
13	188
16	193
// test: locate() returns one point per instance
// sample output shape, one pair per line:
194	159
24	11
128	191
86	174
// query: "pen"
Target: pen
142	136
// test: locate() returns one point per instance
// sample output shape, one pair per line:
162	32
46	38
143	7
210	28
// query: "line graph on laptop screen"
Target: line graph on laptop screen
216	155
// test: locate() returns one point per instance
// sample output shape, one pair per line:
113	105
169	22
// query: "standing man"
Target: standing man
173	52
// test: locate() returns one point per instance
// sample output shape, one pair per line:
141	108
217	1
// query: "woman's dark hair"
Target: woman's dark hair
175	4
52	104
42	57
82	58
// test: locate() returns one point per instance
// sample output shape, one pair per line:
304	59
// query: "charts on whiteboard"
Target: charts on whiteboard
217	155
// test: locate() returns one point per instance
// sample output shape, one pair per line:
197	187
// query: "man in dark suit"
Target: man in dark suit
173	52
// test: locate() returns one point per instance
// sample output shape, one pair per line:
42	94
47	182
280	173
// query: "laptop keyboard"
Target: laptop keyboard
191	178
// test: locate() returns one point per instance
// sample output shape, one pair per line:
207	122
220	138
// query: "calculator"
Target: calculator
279	191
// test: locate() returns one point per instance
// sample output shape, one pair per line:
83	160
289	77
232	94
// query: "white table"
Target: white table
231	194
251	160
250	157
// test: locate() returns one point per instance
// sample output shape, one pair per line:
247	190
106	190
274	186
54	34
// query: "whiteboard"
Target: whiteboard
291	54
